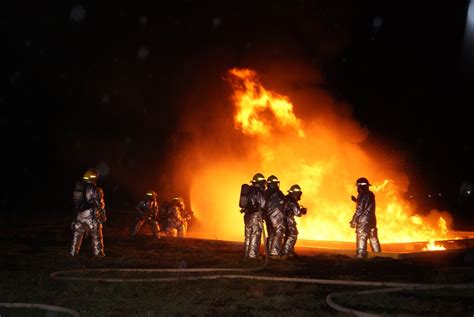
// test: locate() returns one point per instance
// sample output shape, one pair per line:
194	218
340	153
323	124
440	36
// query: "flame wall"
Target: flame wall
302	137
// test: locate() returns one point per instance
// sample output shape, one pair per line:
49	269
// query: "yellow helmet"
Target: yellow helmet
178	201
91	175
151	193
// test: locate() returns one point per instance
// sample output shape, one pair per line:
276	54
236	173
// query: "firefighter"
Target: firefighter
147	213
255	204
364	220
292	209
176	218
274	217
181	216
186	214
89	208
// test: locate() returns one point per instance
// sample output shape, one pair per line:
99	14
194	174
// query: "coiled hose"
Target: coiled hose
393	286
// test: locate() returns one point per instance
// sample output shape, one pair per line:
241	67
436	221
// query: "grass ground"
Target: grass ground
28	259
442	302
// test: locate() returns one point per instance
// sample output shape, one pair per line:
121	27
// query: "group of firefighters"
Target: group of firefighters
171	218
262	201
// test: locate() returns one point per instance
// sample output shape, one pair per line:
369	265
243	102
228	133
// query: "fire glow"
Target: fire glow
323	153
432	246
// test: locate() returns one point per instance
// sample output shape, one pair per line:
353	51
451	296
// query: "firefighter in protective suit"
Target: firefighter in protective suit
177	218
364	220
147	213
292	209
253	216
274	217
185	215
89	208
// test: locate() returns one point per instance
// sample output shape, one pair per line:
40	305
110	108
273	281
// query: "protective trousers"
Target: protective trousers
155	228
182	229
80	227
253	234
363	233
291	235
176	229
276	225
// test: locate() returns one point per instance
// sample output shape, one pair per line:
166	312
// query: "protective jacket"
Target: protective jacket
292	209
89	214
364	214
365	223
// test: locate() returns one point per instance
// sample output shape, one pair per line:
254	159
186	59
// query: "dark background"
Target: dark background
100	84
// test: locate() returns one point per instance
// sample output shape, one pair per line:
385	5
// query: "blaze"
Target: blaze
252	100
432	246
322	153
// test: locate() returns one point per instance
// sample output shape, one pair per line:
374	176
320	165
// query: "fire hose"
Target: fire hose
57	276
57	309
393	286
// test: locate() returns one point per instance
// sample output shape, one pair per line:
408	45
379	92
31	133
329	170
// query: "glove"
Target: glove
353	198
101	215
352	224
304	211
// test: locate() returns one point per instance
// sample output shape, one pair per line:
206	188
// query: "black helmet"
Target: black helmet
259	179
295	191
273	183
272	179
363	182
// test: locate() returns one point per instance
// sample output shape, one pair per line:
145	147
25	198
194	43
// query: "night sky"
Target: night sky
87	84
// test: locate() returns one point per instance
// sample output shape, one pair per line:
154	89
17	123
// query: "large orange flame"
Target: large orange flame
323	154
251	100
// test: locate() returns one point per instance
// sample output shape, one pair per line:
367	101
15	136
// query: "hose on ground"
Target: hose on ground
394	286
57	309
334	305
57	276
